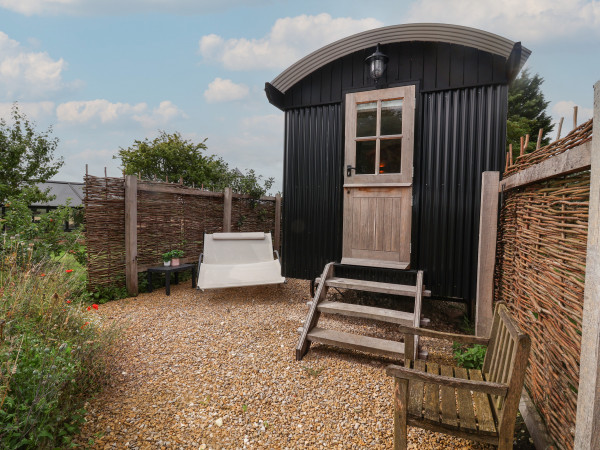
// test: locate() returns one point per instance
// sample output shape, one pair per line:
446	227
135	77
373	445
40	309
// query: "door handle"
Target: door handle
349	170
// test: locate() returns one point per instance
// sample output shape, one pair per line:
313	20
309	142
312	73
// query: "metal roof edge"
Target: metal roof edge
426	32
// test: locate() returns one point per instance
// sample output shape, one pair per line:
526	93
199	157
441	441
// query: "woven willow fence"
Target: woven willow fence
170	220
540	273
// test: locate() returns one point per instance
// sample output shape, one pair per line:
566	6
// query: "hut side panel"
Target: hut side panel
436	66
313	172
463	135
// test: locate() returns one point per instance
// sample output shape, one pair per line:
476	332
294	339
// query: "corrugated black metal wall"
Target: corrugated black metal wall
312	215
460	134
463	133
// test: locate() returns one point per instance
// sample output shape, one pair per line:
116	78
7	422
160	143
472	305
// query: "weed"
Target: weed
469	357
314	372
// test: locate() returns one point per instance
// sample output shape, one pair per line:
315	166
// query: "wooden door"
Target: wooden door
378	177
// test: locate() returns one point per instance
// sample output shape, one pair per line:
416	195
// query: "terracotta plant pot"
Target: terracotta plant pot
175	262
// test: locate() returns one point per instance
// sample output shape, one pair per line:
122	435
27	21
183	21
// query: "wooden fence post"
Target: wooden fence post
131	265
227	197
488	227
587	428
277	222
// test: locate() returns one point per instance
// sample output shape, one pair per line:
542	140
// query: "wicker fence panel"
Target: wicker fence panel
165	221
105	230
252	215
540	273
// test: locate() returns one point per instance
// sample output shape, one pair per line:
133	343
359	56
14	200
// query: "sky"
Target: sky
105	73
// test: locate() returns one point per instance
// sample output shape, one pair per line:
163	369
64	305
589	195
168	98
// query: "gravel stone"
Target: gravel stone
217	369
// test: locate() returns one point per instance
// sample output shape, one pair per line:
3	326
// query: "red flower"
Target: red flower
89	307
51	220
69	270
95	306
68	301
87	323
43	275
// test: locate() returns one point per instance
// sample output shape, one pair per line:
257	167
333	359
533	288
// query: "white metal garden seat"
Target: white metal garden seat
238	259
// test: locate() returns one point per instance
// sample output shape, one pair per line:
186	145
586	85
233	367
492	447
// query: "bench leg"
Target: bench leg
168	283
193	269
400	407
149	277
176	281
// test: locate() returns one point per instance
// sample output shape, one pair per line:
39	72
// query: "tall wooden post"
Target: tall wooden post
587	428
227	197
488	227
277	222
131	265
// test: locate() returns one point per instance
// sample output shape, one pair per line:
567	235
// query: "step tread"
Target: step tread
357	342
375	286
369	312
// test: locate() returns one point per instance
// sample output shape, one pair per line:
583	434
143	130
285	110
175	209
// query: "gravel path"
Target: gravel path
217	370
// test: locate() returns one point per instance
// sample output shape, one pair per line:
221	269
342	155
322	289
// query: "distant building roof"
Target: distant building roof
62	190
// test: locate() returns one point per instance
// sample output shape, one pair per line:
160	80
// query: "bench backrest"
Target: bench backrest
505	362
237	248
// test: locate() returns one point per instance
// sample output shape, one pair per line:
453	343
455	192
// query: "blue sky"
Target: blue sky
104	73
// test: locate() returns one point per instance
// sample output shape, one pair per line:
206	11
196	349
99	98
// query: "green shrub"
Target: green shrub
54	350
469	357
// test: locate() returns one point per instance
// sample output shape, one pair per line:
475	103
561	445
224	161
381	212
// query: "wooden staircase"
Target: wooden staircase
311	333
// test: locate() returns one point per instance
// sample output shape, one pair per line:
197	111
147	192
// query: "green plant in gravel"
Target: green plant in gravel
54	352
469	357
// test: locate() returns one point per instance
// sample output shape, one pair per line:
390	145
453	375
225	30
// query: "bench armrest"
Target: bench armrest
463	338
486	387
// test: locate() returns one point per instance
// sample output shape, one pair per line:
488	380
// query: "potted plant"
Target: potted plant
175	255
166	257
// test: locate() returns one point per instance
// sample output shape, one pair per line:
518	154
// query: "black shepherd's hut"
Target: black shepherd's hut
383	175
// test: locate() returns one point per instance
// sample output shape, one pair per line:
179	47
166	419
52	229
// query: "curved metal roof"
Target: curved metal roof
428	32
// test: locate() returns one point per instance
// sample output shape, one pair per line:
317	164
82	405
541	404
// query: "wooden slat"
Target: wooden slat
375	263
368	312
313	314
466	415
485	417
448	404
431	397
374	286
497	353
573	160
400	413
383	347
415	394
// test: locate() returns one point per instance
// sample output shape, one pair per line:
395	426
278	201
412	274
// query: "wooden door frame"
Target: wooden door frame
392	181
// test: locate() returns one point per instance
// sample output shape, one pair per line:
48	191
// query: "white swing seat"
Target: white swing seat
238	259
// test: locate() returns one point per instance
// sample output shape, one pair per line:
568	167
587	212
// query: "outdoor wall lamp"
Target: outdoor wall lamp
377	63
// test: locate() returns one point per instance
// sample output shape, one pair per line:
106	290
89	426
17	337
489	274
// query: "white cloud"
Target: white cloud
525	20
33	110
220	90
27	74
106	112
290	39
87	7
564	109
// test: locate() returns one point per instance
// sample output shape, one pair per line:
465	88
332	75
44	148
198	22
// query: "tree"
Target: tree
170	156
527	112
26	157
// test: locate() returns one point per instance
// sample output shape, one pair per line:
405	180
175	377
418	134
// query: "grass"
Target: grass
54	351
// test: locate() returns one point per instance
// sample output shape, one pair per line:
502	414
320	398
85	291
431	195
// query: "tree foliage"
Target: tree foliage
527	112
26	156
171	157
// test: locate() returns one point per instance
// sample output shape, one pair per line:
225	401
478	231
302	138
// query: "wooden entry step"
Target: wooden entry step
351	341
373	286
311	333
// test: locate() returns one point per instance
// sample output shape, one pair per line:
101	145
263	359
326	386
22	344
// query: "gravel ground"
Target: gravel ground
216	369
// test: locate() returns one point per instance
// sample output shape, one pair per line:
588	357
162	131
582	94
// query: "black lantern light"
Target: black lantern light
377	64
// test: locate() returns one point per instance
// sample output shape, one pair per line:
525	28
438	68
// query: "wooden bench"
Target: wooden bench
474	404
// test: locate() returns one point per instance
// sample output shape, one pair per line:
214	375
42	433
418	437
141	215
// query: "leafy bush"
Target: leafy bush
54	351
469	357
